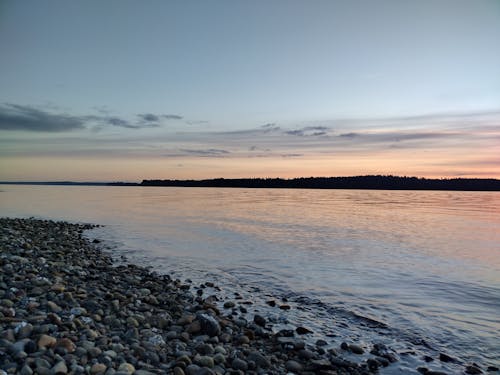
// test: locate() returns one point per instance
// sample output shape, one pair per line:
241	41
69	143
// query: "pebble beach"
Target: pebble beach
67	308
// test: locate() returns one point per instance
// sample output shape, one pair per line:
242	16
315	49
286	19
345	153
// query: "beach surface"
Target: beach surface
67	308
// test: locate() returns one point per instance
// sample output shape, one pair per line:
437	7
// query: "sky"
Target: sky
131	90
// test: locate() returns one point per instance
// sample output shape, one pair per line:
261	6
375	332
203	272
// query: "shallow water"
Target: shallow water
425	264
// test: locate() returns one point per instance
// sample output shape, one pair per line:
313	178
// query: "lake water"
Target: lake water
423	264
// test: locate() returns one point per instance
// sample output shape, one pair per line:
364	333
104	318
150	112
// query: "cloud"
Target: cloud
291	155
399	136
21	117
29	118
151	117
271	127
172	117
309	131
148	117
206	152
349	135
198	122
116	121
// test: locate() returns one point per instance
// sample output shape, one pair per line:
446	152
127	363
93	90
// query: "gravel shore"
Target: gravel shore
65	308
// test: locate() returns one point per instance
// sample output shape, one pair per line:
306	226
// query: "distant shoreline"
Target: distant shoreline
356	182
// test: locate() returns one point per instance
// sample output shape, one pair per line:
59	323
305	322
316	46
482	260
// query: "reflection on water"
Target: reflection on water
421	261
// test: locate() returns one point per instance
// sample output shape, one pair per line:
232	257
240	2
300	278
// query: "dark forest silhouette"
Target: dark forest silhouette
356	182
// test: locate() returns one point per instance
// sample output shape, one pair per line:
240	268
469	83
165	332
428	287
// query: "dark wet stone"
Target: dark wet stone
373	364
285	333
259	360
209	325
471	369
239	364
293	366
446	358
356	349
259	320
321	342
319	364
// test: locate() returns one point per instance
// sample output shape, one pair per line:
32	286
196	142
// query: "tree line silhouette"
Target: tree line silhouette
378	182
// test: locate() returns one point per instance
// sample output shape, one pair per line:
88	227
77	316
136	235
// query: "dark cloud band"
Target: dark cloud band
28	118
19	117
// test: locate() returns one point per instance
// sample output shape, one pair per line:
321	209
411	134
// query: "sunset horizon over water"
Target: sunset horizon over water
233	90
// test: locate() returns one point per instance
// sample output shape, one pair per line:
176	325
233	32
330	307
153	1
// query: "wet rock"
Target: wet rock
26	370
373	364
209	325
59	288
239	364
293	366
259	320
67	344
321	342
259	359
356	349
126	368
243	340
194	327
25	330
53	307
205	349
46	341
302	330
219	358
192	370
59	368
305	354
446	358
473	369
205	361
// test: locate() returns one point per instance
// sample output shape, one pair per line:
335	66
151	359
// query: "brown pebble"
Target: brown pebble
46	341
66	344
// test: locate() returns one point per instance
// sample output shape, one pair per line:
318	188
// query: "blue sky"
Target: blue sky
166	85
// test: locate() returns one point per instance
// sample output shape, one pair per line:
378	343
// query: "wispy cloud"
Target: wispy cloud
205	152
21	117
172	117
148	117
30	118
309	131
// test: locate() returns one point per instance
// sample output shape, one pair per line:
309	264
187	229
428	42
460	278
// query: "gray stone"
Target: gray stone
205	361
59	368
259	360
209	325
293	366
239	364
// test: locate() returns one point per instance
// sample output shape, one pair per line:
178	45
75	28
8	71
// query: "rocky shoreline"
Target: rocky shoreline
65	308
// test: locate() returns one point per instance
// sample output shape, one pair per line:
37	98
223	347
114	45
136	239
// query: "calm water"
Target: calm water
426	264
